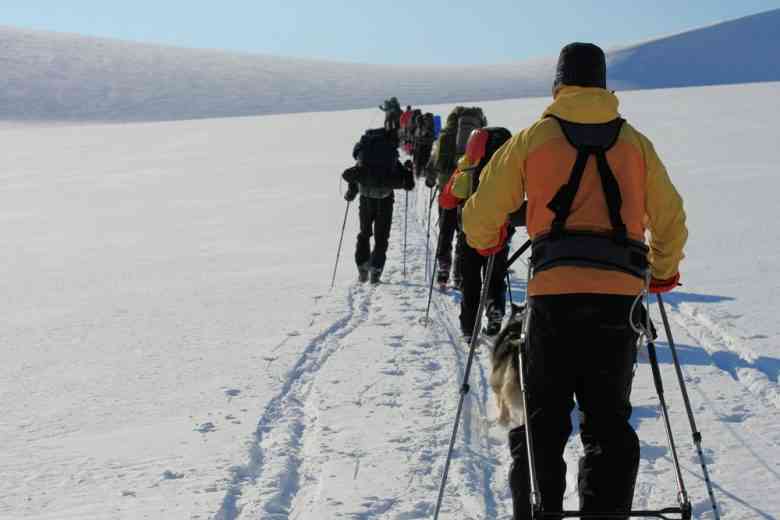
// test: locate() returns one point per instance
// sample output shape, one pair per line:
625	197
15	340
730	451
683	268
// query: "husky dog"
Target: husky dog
504	376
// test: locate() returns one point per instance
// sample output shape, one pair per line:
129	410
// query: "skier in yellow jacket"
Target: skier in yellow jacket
594	185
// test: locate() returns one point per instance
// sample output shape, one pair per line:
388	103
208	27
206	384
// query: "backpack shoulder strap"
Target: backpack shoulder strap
589	139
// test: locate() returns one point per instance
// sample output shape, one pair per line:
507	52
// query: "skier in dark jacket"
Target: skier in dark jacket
424	136
588	221
392	109
377	173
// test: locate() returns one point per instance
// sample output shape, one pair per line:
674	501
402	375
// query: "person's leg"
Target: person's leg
363	246
607	471
382	223
550	387
457	266
496	307
472	285
448	222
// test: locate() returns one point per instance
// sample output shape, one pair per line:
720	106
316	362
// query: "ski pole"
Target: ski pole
341	239
406	223
464	389
682	493
535	495
433	274
694	430
428	232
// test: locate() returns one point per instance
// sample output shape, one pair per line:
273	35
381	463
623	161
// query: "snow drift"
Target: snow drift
63	77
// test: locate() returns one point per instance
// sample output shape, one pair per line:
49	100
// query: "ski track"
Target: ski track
297	456
481	455
728	353
284	412
741	402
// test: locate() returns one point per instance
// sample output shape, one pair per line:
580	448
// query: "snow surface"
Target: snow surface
64	77
170	347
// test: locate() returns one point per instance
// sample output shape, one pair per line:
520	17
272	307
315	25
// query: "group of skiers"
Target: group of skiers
587	186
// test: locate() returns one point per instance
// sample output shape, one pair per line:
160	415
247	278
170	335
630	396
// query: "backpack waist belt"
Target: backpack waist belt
588	249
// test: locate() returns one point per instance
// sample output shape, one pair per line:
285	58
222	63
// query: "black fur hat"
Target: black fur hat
581	64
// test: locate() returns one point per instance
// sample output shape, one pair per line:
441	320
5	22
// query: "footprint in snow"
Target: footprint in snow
206	427
734	417
171	475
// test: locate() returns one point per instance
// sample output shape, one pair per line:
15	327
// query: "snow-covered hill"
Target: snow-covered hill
738	51
62	77
170	348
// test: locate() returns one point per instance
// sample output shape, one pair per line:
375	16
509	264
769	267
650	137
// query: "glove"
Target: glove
408	165
430	182
498	247
409	182
352	174
447	200
664	286
350	195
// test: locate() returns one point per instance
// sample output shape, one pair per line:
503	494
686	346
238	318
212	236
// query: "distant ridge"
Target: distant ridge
64	77
745	50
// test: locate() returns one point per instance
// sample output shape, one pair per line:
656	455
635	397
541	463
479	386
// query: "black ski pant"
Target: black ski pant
422	152
448	228
473	265
578	345
376	216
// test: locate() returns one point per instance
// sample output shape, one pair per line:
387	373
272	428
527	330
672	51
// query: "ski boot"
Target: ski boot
457	272
442	277
376	274
363	272
457	282
495	317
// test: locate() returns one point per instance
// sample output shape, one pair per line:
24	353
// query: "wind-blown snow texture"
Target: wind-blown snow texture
170	348
51	76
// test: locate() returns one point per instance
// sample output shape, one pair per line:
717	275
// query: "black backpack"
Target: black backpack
426	130
468	120
453	138
378	156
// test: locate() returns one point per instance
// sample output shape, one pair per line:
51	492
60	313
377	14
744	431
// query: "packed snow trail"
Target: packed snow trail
361	424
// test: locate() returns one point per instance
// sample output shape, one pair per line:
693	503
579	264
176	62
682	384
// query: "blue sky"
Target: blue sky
403	32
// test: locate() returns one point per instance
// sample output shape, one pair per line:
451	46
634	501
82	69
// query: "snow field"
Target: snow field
171	349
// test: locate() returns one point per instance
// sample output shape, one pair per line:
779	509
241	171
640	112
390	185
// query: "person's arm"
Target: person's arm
501	191
352	192
447	198
666	217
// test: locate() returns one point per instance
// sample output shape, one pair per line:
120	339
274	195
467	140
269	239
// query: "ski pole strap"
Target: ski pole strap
589	249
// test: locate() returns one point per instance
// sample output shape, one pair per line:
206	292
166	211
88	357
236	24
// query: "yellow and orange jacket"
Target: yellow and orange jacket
537	161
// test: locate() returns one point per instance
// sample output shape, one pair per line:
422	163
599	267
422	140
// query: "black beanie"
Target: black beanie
582	65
